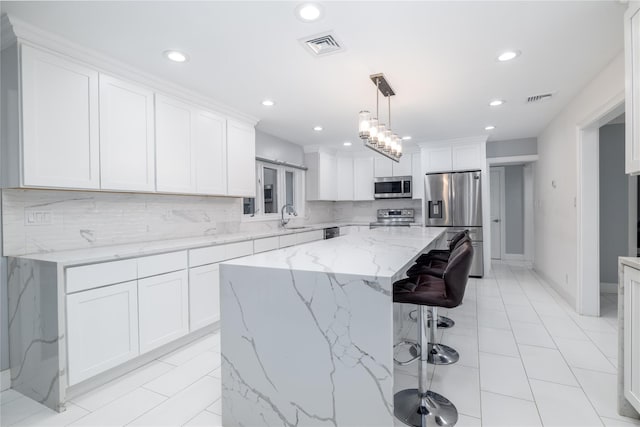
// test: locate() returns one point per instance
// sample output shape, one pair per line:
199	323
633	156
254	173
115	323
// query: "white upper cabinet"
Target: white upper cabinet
438	159
363	178
417	177
632	87
454	157
403	167
321	176
241	159
59	122
210	147
467	157
127	146
175	171
345	188
382	166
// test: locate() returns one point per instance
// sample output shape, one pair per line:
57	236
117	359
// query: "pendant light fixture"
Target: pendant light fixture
375	135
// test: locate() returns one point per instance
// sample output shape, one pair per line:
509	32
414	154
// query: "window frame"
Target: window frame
299	177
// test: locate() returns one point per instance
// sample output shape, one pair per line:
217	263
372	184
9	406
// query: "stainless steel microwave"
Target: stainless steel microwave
392	187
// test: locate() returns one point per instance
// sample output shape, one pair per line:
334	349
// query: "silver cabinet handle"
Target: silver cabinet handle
496	220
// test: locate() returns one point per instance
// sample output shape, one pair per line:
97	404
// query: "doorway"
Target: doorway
511	208
496	178
588	206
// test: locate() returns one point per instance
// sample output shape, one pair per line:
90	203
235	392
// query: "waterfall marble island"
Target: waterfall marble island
308	331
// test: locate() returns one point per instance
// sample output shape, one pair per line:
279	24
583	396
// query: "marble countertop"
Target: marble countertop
115	252
380	252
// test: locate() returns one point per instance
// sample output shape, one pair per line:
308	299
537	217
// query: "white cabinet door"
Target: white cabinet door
382	167
163	305
632	87
403	167
210	147
204	296
102	328
632	336
59	122
328	177
127	146
467	157
345	178
439	160
417	177
241	159
175	172
363	178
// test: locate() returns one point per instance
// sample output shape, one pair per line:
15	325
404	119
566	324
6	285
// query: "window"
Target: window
276	187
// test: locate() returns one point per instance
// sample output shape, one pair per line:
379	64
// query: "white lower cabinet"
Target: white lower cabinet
204	296
632	336
102	328
163	304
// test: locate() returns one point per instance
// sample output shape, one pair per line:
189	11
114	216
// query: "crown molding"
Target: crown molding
26	33
479	139
7	36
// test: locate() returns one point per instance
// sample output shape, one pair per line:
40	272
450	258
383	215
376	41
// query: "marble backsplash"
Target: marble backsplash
83	219
366	211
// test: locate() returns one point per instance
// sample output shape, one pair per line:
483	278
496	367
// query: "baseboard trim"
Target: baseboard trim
608	288
5	379
568	298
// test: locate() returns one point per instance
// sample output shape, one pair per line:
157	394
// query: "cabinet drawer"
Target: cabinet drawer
310	236
266	244
218	253
96	275
239	249
288	240
164	263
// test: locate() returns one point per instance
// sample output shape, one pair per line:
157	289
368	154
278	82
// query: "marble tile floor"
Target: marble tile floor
527	359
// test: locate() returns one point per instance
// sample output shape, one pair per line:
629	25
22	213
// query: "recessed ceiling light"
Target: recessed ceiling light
406	137
317	128
508	55
176	56
268	103
309	12
490	127
347	144
496	102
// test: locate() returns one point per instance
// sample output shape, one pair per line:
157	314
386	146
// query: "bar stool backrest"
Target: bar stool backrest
456	274
457	238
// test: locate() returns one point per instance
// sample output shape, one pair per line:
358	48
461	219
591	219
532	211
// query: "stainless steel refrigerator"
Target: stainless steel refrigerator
455	200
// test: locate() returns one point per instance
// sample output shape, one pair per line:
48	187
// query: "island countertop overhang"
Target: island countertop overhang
380	252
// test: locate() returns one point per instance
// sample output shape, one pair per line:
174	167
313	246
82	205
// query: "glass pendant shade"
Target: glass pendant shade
387	140
373	130
364	124
380	137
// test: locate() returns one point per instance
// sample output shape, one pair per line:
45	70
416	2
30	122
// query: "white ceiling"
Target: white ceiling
440	58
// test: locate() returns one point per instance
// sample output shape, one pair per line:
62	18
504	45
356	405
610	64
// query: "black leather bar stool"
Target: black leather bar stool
434	262
421	407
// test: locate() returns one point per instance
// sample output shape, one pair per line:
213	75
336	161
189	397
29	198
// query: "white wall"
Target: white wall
614	202
273	148
555	209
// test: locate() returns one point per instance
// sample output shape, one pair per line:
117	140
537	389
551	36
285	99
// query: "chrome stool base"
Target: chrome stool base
414	351
440	354
443	321
432	409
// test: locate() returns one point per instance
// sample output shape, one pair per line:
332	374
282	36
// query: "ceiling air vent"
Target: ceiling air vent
322	44
539	98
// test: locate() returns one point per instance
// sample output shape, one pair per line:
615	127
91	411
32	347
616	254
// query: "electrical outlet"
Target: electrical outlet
37	217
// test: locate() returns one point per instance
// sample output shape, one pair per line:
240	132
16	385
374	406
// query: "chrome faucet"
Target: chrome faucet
291	210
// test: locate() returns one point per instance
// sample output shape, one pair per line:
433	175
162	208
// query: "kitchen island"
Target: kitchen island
307	331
